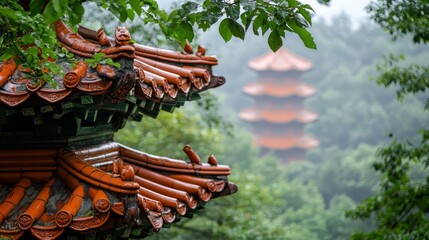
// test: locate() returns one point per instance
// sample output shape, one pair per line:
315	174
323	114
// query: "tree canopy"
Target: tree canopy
400	207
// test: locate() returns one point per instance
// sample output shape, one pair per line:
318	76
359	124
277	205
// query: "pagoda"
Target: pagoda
278	117
62	176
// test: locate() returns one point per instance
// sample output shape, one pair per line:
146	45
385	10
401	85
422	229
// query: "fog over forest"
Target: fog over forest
304	199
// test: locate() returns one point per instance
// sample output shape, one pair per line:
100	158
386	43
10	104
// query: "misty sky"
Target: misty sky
355	9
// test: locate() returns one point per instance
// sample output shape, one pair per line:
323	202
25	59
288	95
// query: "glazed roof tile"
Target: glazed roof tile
278	115
279	89
161	76
281	61
285	142
53	190
59	187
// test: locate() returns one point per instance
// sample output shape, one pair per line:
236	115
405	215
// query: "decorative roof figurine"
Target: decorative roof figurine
278	117
62	174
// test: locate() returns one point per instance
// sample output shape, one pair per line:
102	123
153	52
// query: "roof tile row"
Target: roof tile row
135	187
161	75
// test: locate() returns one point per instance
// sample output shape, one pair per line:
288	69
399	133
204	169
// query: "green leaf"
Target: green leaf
78	11
135	5
130	14
60	6
8	53
36	6
236	29
27	38
224	30
304	35
119	9
187	30
232	11
305	14
49	14
275	41
246	19
8	13
257	23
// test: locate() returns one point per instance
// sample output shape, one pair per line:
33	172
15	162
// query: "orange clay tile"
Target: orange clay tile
73	42
11	234
200	72
36	208
97	183
149	204
174	203
65	216
92	174
46	232
118	208
94	87
86	223
13	99
100	201
29	154
181	71
172	78
34	176
7	68
211	185
14	197
73	77
168	55
163	163
192	155
54	95
172	183
171	192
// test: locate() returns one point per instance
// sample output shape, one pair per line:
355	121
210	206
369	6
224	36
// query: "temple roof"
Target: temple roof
159	75
279	89
47	192
278	115
62	175
281	61
286	142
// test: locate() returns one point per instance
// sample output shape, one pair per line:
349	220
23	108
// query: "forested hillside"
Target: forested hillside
305	199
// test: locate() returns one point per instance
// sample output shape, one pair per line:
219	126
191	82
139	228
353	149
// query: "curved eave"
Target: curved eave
160	76
277	115
279	89
280	61
112	180
285	143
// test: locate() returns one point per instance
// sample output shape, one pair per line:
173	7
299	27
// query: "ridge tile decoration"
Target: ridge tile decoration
61	173
278	116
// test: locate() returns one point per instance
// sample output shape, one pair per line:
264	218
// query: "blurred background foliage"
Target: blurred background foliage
304	199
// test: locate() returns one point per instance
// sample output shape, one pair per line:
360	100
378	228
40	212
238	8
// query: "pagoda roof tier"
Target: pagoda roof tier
285	142
49	193
150	74
281	61
279	89
278	115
